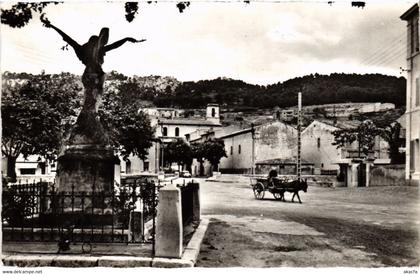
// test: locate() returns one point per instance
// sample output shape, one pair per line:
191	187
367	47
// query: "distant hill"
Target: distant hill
316	89
240	96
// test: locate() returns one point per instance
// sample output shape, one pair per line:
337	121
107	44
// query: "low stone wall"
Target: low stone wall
283	169
387	175
235	170
323	180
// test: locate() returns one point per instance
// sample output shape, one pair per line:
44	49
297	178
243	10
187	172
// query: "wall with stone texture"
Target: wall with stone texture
275	140
272	140
324	155
387	175
236	159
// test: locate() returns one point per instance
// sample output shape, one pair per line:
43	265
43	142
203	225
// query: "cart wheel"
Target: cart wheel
259	191
277	196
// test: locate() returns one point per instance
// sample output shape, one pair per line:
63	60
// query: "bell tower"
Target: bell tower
212	113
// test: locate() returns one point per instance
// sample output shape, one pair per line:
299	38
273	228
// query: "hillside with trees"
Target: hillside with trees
317	89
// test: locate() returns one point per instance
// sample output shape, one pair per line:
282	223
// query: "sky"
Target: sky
263	42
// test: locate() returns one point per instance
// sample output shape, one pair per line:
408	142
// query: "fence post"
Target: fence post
354	175
135	232
196	201
135	227
169	231
369	164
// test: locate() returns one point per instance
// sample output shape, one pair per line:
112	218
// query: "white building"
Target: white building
342	110
317	139
169	126
412	151
318	148
31	169
247	147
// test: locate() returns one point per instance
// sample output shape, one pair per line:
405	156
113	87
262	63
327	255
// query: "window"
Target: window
417	95
177	131
43	167
417	159
27	171
412	156
187	136
213	112
165	131
414	33
239	149
145	166
318	142
231	150
128	167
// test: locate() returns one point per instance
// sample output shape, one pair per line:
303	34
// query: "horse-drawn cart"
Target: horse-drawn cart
277	187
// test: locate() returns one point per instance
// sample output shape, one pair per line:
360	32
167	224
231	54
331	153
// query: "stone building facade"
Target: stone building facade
412	151
244	148
169	125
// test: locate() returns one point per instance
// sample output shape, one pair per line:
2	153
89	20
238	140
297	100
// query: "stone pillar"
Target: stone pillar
354	176
136	226
368	164
196	202
169	223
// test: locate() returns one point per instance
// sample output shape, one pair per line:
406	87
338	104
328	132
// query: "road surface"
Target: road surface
359	227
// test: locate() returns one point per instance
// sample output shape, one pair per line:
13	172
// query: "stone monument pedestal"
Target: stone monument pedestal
85	177
89	168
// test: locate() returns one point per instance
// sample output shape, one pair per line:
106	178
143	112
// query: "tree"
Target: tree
198	153
21	13
180	152
213	150
129	128
364	134
391	134
37	115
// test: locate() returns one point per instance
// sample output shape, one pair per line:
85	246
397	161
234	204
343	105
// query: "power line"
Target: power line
394	50
387	58
385	50
384	54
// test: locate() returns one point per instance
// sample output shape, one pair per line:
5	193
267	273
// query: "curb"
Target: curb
193	249
188	259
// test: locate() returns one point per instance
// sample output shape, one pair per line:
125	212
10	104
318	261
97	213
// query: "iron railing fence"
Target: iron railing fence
38	212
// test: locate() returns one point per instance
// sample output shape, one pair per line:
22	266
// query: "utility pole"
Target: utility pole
163	149
157	155
162	143
299	129
253	149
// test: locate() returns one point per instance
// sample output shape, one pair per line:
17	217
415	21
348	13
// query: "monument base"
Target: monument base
85	176
86	169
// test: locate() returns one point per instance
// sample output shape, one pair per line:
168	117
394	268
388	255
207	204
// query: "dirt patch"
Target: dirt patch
233	245
395	247
189	232
286	248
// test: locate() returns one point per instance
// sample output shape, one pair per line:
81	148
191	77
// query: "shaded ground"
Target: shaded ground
363	227
138	250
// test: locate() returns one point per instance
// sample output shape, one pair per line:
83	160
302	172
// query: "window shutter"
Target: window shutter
417	92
